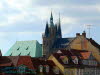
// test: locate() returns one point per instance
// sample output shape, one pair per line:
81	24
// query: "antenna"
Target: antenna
89	29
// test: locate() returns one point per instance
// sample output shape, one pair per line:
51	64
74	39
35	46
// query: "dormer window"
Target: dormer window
64	59
10	54
56	70
27	48
47	68
19	54
18	48
40	68
28	54
75	60
65	62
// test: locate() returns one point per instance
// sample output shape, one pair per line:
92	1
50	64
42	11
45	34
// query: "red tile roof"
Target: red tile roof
73	57
14	59
72	54
39	61
4	60
25	60
5	64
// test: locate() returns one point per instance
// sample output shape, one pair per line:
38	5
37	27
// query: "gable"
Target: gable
79	43
22	61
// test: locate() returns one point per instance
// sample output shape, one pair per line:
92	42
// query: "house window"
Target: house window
56	70
40	68
27	48
18	48
47	68
65	62
75	60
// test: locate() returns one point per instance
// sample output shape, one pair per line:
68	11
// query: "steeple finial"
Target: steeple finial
51	20
59	28
51	15
59	18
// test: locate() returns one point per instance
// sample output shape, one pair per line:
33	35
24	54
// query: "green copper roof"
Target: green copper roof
25	48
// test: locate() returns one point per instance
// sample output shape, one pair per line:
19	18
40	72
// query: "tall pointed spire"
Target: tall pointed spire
51	15
51	20
47	30
59	28
59	19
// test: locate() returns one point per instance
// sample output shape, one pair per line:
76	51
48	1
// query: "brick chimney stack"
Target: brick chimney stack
84	33
77	34
0	53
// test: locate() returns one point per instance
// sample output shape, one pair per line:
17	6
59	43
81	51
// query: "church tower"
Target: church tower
52	32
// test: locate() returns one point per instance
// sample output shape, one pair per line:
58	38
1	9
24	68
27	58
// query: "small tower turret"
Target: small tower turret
46	30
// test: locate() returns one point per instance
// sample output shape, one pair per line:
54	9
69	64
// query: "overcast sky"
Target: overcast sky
25	19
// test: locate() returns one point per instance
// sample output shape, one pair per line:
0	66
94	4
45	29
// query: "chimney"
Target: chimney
0	53
84	33
77	34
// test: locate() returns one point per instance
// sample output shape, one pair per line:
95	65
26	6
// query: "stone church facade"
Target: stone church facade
52	32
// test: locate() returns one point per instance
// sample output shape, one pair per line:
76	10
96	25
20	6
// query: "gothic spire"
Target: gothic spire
59	28
51	20
47	30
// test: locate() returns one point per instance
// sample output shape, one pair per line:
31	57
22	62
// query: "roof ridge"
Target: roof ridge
26	40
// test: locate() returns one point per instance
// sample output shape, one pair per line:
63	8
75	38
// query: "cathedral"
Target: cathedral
53	41
52	37
52	32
